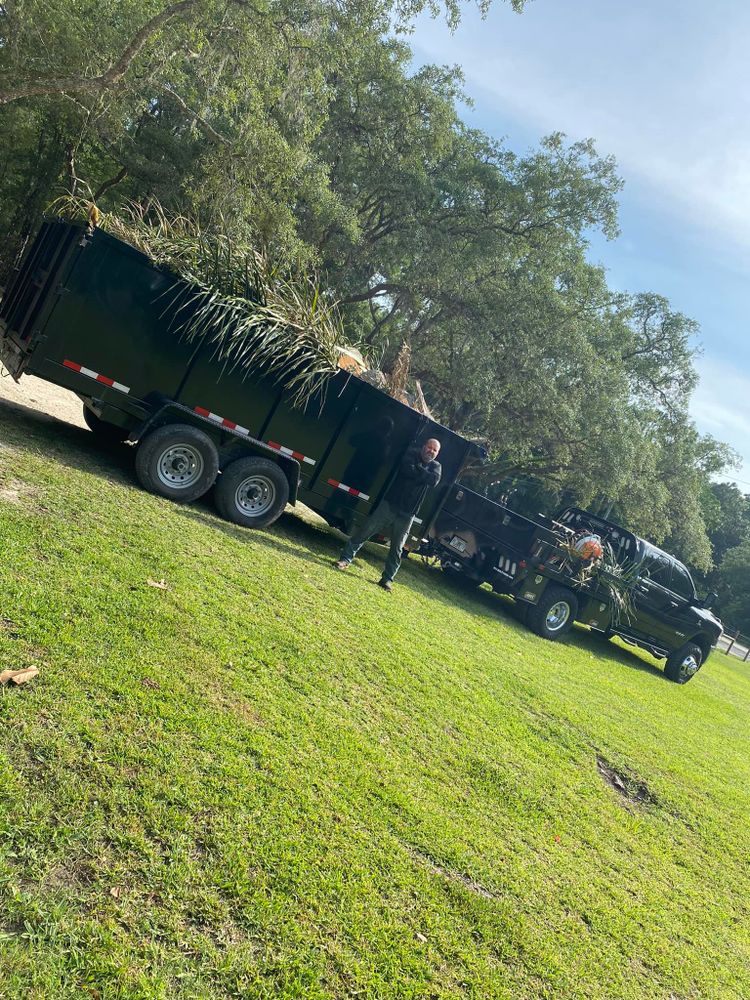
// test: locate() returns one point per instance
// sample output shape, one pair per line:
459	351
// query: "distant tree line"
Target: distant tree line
301	124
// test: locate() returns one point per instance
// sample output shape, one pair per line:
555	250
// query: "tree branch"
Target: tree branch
208	130
371	293
112	76
120	176
107	79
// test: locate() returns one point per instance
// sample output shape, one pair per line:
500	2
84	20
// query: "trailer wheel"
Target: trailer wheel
177	461
555	613
252	492
104	431
684	663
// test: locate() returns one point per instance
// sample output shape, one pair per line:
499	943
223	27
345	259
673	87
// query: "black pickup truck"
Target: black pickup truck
578	567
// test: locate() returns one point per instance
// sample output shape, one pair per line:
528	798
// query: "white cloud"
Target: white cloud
721	407
663	87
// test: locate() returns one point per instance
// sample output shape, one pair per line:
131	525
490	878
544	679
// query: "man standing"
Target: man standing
419	472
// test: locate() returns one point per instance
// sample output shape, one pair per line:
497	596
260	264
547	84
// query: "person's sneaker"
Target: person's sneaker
386	585
342	564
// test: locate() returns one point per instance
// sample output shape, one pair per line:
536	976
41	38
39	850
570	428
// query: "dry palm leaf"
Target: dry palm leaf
258	316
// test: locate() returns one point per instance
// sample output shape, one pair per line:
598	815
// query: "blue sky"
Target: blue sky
663	86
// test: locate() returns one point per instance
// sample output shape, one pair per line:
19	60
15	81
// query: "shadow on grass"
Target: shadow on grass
319	545
31	430
486	603
589	641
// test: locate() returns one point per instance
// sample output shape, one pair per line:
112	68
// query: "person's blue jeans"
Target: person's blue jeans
384	520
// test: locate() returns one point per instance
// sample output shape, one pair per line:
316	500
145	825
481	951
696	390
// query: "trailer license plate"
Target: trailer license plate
458	543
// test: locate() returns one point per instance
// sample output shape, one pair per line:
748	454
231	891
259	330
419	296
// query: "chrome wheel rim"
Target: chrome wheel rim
689	666
557	616
255	496
180	466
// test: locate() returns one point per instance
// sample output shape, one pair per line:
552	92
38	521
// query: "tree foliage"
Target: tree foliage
302	127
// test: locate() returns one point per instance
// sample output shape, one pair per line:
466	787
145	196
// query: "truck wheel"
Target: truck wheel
106	433
684	663
252	492
555	613
177	461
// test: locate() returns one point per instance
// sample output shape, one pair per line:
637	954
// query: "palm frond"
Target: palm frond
259	316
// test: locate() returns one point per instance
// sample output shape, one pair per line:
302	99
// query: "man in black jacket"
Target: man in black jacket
419	472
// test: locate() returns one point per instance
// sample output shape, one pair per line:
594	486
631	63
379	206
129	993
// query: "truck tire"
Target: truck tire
252	492
104	431
177	461
684	663
555	613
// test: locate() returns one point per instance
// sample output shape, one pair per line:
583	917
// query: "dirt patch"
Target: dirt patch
45	397
15	492
451	875
630	789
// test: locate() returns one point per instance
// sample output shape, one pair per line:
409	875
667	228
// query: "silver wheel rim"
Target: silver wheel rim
180	466
255	496
689	666
557	616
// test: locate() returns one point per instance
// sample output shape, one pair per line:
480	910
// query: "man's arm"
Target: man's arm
412	467
434	471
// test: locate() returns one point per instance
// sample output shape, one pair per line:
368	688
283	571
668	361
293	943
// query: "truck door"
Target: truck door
677	609
654	600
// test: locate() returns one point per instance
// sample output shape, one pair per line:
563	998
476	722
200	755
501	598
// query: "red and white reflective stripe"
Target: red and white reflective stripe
293	454
104	379
230	424
348	489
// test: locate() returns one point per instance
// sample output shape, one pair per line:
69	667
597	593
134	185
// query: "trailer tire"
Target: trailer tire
555	613
684	663
104	431
252	492
177	461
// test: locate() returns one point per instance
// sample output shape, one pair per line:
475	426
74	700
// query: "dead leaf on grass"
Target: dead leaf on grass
18	676
148	682
159	584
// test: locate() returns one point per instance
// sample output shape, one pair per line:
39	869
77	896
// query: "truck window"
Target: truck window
681	583
657	568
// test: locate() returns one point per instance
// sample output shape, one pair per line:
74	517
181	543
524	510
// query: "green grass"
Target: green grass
273	780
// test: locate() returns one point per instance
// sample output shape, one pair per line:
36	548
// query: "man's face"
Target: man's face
430	450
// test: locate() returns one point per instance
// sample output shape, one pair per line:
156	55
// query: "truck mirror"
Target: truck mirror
710	599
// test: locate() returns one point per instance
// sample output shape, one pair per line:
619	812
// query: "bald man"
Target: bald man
419	472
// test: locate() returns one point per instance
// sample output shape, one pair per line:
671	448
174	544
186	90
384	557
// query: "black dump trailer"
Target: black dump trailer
91	313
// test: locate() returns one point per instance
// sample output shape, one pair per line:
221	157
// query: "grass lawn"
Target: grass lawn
271	780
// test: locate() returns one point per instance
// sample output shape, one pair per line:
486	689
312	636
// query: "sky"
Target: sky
664	87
